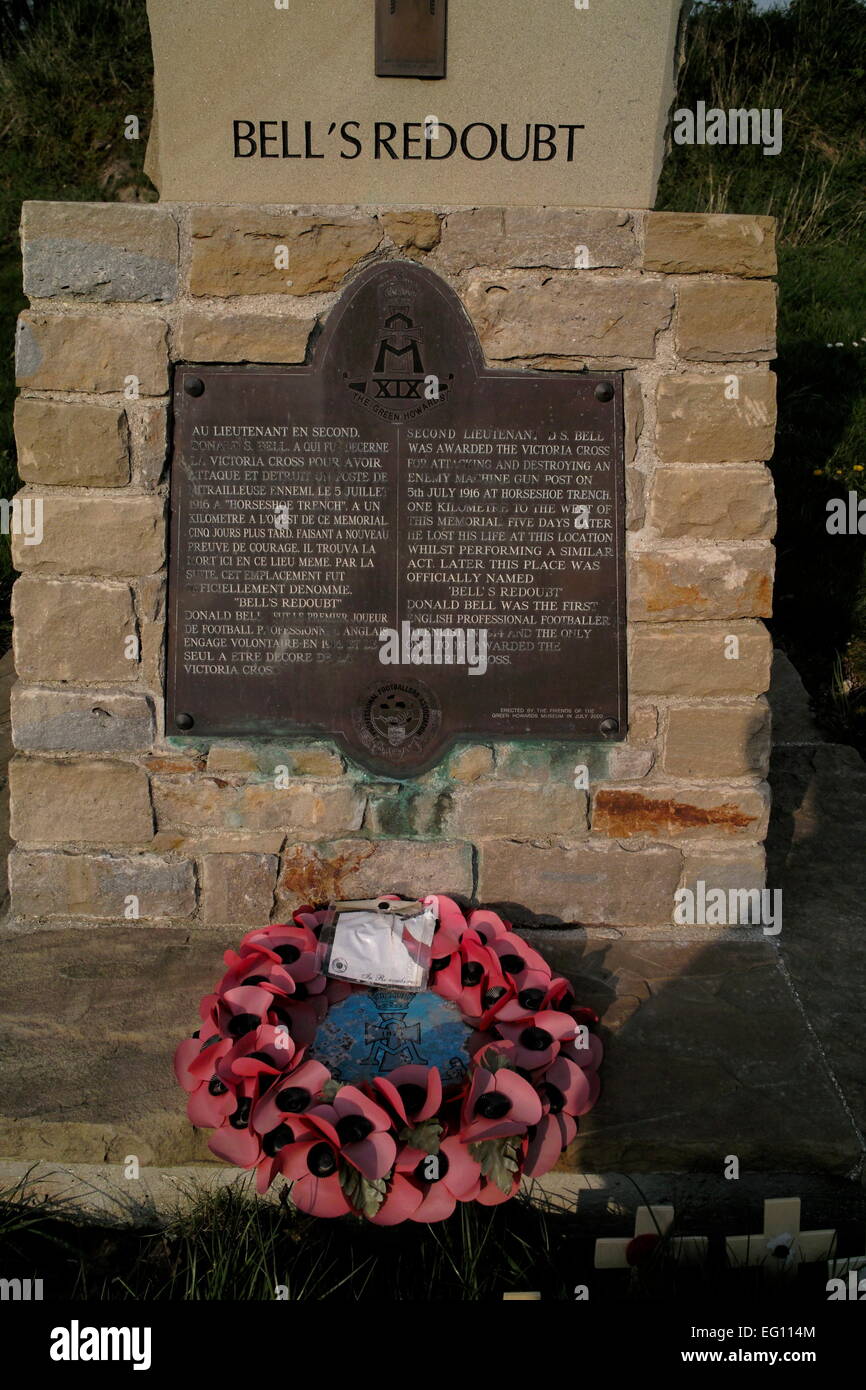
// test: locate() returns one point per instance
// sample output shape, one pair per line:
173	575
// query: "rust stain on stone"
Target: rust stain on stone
309	877
177	763
632	813
664	593
764	596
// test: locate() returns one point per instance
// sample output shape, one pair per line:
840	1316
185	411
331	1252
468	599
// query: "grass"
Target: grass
231	1247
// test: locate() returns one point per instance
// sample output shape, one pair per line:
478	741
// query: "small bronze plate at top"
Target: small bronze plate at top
410	38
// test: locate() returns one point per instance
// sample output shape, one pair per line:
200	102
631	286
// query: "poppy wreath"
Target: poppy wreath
403	1146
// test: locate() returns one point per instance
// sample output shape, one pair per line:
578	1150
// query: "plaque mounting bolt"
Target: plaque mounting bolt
609	727
604	391
194	386
184	721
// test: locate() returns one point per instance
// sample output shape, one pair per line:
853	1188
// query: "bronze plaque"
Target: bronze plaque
397	546
410	38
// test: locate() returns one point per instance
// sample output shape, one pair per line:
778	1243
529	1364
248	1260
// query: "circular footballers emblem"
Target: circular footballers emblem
395	718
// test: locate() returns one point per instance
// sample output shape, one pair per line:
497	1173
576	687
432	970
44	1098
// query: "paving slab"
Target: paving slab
707	1055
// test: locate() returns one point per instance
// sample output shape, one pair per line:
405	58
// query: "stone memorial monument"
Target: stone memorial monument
406	522
404	525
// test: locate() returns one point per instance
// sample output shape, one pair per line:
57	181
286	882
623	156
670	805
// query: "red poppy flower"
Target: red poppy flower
499	1103
491	1194
414	1093
431	1191
472	978
564	1086
552	1134
560	994
307	1154
210	1099
451	928
487	925
363	1131
238	1011
537	1039
264	1052
450	1176
516	958
528	998
294	948
293	1092
235	1141
585	1049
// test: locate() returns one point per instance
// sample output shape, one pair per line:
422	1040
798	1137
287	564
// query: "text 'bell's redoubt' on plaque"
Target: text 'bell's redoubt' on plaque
395	545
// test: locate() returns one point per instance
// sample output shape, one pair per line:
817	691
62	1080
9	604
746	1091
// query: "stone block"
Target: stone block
61	444
626	763
91	352
525	314
643	723
717	740
633	410
80	721
415	233
745	869
357	868
523	238
719	504
152	591
71	630
232	760
48	884
238	889
149	425
664	813
698	660
635	499
233	250
99	251
701	421
102	536
518	811
684	243
307	811
726	321
532	762
587	884
99	802
701	581
206	335
315	760
469	763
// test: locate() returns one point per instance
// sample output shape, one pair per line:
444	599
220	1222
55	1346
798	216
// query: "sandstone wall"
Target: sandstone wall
114	819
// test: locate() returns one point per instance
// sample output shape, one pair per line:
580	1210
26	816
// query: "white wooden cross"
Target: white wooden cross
611	1252
781	1246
